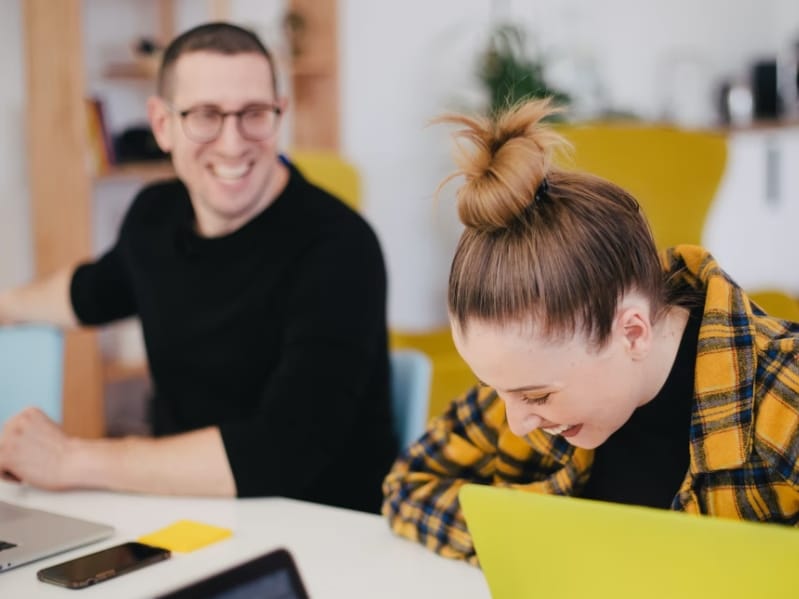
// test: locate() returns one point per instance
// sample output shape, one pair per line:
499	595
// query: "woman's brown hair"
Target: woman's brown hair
551	247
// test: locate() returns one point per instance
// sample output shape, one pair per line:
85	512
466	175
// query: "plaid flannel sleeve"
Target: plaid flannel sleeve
469	443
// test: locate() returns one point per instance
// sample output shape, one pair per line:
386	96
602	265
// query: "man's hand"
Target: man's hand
34	450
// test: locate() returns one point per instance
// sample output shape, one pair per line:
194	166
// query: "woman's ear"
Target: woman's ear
158	115
635	329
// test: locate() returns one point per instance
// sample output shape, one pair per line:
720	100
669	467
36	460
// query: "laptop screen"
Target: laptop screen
270	576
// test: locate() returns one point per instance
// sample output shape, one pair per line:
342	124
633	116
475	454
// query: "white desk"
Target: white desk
340	553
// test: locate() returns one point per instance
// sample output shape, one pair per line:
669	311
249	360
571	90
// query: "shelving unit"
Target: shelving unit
125	71
140	171
115	371
61	184
60	187
314	76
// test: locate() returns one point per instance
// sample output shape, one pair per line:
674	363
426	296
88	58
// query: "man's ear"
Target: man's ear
158	115
635	329
283	103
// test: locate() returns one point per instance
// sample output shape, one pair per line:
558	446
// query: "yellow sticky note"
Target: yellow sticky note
184	536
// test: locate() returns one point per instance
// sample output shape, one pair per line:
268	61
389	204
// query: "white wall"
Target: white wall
398	72
641	49
404	62
751	226
16	252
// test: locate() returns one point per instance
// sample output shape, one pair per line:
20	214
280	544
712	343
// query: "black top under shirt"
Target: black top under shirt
646	460
275	333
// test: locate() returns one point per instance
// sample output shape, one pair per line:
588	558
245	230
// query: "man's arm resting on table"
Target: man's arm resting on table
45	300
34	450
193	463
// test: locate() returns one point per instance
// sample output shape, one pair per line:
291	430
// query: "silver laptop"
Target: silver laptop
27	534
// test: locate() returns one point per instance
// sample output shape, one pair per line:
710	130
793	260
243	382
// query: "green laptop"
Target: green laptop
542	546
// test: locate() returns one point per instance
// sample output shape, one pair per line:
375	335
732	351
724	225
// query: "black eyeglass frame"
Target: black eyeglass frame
223	114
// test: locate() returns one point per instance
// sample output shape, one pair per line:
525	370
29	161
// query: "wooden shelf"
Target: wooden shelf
762	125
311	68
314	76
144	69
142	171
118	372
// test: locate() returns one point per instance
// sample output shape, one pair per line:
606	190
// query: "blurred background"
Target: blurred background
688	102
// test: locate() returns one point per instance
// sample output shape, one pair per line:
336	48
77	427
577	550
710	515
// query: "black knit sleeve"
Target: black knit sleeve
334	341
101	291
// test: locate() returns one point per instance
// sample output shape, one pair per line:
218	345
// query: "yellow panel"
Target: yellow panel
777	303
330	172
674	174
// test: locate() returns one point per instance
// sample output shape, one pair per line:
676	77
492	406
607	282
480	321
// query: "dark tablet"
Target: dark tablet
270	576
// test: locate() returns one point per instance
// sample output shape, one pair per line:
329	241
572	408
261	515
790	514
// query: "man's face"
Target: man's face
230	178
563	387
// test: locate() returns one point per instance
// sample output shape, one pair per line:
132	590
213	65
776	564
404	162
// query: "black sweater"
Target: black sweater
646	460
275	333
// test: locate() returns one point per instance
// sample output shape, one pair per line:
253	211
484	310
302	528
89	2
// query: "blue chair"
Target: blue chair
31	370
411	374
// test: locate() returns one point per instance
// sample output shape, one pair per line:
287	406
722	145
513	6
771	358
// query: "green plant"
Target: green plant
295	27
509	74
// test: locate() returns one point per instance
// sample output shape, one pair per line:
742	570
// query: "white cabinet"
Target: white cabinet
752	225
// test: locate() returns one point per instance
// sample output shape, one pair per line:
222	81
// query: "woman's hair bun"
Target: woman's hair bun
506	159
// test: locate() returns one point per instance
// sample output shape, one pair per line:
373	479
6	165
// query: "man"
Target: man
262	302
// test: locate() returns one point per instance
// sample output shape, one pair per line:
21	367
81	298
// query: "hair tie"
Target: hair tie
543	188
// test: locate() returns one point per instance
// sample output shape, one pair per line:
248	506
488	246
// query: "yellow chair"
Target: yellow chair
674	174
776	303
331	172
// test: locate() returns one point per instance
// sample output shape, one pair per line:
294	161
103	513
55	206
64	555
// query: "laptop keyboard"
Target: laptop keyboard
5	545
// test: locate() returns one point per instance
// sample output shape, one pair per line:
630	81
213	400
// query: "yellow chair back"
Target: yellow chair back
330	172
776	303
674	174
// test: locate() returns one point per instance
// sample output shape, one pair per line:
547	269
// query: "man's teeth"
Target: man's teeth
556	430
231	172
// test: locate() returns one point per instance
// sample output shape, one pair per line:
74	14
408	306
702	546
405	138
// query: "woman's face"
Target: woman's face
565	387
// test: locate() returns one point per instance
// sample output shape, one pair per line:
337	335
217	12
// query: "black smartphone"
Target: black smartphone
102	565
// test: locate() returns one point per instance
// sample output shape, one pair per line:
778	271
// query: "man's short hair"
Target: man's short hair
221	38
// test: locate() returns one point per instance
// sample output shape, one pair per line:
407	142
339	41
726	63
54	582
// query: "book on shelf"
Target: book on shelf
143	67
101	150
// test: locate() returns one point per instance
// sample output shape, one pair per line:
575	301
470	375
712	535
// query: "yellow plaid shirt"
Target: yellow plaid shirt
744	437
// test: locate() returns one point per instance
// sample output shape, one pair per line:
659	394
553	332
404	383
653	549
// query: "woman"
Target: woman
606	371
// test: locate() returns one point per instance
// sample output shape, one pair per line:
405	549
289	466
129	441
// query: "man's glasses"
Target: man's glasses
203	124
